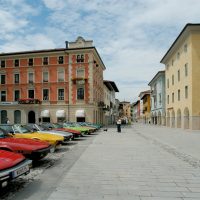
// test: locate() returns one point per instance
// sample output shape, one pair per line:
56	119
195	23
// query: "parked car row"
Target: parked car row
20	145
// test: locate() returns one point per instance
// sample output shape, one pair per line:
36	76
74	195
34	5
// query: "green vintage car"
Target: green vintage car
96	126
77	127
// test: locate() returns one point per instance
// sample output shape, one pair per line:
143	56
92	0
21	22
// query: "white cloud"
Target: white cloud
55	4
131	35
9	23
29	42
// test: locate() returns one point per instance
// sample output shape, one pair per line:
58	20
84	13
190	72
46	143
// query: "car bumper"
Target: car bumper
39	154
14	172
67	139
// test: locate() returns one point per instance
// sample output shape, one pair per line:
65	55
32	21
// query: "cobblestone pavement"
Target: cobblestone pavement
140	163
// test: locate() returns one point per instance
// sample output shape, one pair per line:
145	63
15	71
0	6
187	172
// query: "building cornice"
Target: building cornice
57	50
160	73
183	34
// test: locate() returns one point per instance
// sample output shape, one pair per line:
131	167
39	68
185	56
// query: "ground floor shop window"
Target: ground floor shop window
46	119
17	116
80	119
61	119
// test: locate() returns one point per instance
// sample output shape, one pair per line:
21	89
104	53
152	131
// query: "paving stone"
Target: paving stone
141	163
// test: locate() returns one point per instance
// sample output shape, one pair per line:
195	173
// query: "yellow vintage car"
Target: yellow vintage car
20	131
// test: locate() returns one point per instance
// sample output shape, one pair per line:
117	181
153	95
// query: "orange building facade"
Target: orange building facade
52	85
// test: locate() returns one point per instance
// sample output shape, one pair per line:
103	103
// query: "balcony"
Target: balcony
101	104
79	80
29	101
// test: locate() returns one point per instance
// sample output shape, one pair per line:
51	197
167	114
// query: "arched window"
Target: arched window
17	116
3	117
80	93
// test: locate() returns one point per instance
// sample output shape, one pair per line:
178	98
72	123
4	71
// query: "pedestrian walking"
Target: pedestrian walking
119	122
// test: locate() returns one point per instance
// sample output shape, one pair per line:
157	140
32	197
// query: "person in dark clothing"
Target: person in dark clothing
119	125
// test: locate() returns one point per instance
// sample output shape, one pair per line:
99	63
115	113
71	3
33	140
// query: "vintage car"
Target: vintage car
35	127
12	165
91	129
96	126
59	127
32	149
20	131
76	127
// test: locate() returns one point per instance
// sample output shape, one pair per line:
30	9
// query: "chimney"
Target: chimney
66	44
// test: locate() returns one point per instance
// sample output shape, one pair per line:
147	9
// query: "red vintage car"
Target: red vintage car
59	127
12	165
33	149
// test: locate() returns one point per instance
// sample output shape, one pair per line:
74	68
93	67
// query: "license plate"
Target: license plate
20	171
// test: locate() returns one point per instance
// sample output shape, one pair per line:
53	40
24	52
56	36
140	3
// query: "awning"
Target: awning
45	113
80	113
60	113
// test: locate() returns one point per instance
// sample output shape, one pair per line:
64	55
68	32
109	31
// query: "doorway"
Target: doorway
31	117
80	119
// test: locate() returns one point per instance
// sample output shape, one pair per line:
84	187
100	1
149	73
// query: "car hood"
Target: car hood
24	143
60	133
78	128
9	159
89	127
67	130
41	136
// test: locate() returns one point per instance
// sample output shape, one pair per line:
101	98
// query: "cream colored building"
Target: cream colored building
145	108
182	70
110	114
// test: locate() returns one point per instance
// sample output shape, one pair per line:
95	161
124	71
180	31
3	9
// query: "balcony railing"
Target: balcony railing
79	80
29	101
101	104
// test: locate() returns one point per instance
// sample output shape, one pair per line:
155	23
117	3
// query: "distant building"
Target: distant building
110	114
116	109
136	111
132	112
157	85
182	73
145	107
125	111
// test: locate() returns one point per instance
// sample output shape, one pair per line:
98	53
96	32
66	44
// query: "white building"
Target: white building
110	89
157	85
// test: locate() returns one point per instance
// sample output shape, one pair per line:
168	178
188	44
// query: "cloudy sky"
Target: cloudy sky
131	35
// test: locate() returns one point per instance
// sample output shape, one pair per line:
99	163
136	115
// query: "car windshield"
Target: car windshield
45	126
42	128
7	128
21	129
2	134
77	125
58	125
67	125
